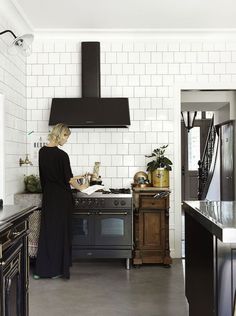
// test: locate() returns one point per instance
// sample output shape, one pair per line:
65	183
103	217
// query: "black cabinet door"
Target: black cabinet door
13	290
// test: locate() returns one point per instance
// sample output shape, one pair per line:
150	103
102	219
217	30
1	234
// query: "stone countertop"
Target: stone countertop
28	198
9	213
218	217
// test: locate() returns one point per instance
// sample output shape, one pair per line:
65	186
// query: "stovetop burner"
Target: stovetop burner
117	191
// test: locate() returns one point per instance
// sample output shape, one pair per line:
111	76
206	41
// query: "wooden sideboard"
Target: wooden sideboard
151	226
14	266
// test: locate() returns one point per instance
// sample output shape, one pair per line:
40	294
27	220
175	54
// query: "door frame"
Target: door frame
2	147
177	149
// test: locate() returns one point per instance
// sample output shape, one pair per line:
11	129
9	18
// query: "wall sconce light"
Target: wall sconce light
189	118
26	161
21	44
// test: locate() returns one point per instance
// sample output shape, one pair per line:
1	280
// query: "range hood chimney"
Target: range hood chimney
91	110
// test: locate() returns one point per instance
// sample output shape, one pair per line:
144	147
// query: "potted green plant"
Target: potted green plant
32	184
159	167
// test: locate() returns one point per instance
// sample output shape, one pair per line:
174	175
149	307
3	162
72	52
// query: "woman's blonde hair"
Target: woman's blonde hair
58	132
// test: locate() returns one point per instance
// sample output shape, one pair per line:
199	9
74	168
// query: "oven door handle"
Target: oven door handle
112	213
83	213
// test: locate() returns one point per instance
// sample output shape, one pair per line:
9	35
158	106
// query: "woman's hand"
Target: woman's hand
77	177
74	182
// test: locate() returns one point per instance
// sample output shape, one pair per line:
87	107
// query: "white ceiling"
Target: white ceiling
128	14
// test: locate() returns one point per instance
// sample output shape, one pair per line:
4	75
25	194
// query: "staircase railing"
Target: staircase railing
205	170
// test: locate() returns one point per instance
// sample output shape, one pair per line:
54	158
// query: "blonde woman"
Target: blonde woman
54	249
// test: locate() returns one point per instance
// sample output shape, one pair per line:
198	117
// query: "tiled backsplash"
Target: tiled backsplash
145	72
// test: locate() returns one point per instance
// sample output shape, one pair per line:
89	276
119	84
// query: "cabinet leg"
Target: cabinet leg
137	266
167	266
127	263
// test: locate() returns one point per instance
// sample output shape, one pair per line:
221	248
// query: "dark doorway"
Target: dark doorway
227	161
192	147
193	143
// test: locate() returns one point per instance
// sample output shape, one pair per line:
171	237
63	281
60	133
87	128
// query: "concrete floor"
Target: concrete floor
108	289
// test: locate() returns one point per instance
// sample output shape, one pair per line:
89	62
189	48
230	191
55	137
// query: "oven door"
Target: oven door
82	228
113	228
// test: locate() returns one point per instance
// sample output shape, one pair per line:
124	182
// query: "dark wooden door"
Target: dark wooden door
192	147
227	161
152	231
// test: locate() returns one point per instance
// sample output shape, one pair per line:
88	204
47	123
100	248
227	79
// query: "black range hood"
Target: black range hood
91	110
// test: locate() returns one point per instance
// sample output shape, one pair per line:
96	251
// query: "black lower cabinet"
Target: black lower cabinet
14	268
210	270
13	280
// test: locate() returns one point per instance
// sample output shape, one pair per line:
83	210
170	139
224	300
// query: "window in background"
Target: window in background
193	148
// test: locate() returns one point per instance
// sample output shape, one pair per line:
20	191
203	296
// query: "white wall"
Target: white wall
13	88
222	103
222	114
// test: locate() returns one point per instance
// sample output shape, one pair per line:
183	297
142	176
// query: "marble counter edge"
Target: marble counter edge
12	213
226	234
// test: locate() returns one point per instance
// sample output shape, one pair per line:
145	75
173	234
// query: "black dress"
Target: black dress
54	249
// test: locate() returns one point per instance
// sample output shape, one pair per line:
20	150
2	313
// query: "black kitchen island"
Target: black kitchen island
14	267
210	257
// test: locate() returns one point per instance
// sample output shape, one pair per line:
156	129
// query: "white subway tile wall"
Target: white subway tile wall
13	88
144	71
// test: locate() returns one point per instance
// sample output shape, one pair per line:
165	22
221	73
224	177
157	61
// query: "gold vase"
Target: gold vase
160	178
150	177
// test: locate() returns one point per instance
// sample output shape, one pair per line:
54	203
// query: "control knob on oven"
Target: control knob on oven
123	202
116	202
83	202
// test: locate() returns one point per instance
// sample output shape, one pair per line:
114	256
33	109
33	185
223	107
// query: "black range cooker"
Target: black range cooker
102	225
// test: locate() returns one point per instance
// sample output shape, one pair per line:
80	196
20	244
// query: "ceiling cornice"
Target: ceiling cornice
137	33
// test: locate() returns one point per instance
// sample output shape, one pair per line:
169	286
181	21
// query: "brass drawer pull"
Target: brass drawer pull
16	234
83	213
161	195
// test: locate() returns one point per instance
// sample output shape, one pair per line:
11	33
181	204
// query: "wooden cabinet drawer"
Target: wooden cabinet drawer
19	229
147	202
14	232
